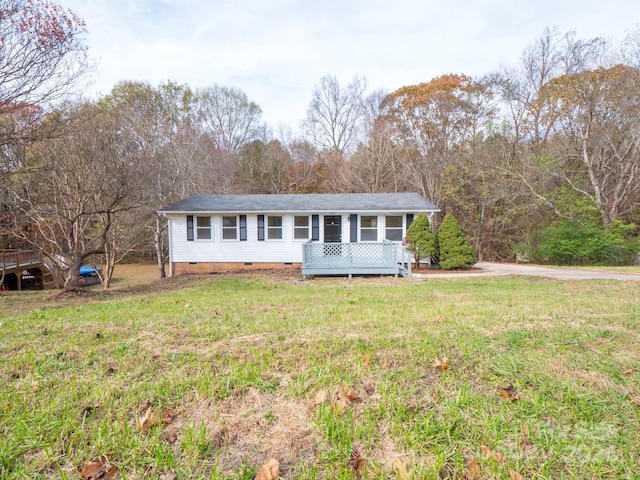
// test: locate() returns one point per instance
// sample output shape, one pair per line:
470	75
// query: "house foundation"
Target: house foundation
209	268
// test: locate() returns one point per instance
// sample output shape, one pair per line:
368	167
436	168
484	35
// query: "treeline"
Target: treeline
541	159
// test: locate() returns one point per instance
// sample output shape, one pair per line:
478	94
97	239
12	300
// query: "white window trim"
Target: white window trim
223	228
401	227
197	229
268	229
308	227
369	229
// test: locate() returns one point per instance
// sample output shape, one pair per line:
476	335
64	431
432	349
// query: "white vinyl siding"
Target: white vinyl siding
288	248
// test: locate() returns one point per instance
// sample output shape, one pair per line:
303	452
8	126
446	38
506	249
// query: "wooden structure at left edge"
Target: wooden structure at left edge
14	264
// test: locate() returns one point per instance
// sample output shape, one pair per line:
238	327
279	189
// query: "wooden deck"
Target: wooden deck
18	261
363	258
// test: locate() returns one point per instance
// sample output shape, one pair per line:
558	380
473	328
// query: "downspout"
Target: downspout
170	237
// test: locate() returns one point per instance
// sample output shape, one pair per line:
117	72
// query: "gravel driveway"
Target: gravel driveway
493	269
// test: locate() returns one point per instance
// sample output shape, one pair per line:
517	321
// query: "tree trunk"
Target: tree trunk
110	265
73	277
160	255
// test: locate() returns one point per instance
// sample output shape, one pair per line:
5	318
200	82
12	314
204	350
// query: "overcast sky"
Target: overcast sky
276	51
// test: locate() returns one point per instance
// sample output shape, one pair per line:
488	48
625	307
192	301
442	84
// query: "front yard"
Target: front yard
210	377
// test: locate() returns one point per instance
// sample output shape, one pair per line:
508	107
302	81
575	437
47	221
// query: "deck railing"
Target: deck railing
14	259
355	258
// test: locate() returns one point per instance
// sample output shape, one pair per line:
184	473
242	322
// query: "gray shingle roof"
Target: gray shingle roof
329	202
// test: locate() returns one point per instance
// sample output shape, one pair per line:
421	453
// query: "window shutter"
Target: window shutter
315	228
260	228
409	220
243	228
189	228
353	227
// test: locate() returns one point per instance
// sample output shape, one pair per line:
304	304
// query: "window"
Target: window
189	228
393	228
243	228
229	228
274	228
301	228
368	228
203	228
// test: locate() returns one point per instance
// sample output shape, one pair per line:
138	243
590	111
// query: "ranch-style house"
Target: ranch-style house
332	234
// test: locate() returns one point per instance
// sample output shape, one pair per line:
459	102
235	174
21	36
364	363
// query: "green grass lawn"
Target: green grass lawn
234	370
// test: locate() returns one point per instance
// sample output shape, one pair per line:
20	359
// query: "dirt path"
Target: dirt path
493	269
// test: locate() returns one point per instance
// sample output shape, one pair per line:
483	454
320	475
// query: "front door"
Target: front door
332	228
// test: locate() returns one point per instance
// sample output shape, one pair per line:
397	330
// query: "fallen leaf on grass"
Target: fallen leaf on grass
441	364
338	405
349	394
148	420
400	468
99	470
513	475
471	470
629	371
320	397
487	452
269	471
525	442
357	464
6	407
366	358
153	417
509	393
172	437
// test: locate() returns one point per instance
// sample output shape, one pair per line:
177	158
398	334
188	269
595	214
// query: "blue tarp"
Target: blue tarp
86	271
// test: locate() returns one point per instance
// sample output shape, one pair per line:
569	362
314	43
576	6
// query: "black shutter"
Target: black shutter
243	228
353	227
315	228
189	228
409	220
260	228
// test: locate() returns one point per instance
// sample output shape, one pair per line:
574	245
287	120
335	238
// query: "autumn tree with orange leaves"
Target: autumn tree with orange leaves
436	121
596	152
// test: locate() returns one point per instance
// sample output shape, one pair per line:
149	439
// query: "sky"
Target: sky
276	51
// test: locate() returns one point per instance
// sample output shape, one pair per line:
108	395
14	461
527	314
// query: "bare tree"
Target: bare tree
334	115
160	123
229	116
41	59
377	165
263	168
66	201
574	120
597	125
